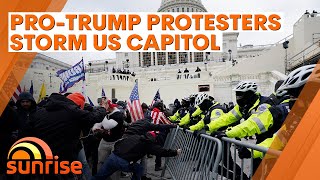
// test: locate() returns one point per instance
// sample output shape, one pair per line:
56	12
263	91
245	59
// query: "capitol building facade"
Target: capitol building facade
178	74
147	59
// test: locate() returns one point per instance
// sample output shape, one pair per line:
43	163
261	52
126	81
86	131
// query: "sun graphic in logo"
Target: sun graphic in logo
31	155
30	148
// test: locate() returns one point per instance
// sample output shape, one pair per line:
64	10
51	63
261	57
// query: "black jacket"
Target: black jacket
134	147
8	123
116	132
24	116
136	143
59	124
142	126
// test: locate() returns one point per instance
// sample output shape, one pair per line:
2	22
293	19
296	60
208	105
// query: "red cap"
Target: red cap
78	99
111	105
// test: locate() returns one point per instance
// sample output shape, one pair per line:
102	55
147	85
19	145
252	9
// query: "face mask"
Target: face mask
205	105
241	101
244	98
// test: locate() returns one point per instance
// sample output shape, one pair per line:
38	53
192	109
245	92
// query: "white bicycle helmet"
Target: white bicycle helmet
200	98
245	86
299	77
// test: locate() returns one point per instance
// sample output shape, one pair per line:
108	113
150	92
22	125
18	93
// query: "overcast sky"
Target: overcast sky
292	10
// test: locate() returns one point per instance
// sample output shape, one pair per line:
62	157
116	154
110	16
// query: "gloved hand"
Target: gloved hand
193	121
185	128
206	128
206	120
173	126
244	153
197	134
219	134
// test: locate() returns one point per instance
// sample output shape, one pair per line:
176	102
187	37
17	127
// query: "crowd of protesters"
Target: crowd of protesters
98	137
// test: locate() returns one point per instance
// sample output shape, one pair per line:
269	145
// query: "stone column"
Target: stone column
152	61
167	58
177	57
156	58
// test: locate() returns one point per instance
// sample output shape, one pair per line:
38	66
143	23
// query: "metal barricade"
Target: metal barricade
232	167
199	159
210	158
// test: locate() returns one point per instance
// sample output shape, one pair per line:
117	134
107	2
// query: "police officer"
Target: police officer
249	102
185	104
212	109
293	85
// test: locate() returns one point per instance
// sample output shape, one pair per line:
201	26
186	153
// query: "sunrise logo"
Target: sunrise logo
31	155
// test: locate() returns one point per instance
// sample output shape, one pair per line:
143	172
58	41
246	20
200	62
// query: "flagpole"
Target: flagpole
84	82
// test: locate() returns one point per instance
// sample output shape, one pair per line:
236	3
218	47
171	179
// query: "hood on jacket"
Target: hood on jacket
57	101
26	96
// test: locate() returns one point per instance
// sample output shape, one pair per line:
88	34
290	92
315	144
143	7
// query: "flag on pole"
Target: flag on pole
42	93
83	90
16	93
90	102
134	105
31	88
156	98
103	94
71	76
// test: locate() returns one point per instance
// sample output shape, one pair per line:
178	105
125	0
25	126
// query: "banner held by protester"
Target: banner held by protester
71	76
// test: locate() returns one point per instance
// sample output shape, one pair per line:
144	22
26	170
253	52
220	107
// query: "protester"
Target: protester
146	111
159	118
26	108
137	141
112	130
91	143
60	122
8	123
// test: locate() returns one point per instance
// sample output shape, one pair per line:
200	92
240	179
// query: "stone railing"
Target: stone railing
111	77
305	55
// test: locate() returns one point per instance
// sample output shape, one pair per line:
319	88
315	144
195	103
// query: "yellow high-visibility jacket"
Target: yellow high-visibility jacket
186	119
277	142
216	112
265	118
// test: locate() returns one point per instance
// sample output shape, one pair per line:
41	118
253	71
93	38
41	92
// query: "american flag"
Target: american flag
16	93
134	105
158	117
156	98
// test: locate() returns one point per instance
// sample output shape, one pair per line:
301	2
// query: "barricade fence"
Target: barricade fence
199	158
208	158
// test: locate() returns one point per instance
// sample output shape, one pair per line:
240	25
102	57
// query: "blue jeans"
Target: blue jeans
86	168
115	163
